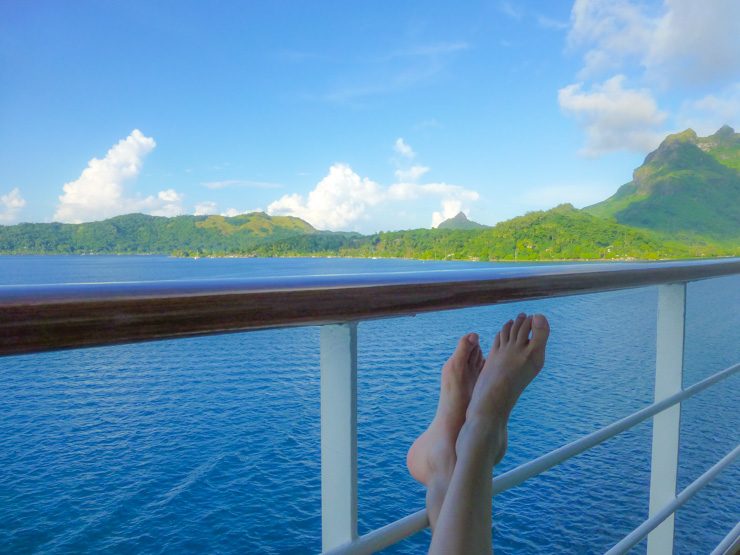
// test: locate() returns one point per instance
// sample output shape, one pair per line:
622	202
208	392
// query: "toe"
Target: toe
505	331
517	324
523	335
464	347
496	343
540	331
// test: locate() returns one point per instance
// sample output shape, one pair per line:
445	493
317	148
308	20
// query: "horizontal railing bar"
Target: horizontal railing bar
35	318
538	466
641	532
730	543
415	522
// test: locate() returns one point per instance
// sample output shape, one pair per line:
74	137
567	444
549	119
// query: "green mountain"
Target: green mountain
688	189
140	234
558	234
684	201
460	221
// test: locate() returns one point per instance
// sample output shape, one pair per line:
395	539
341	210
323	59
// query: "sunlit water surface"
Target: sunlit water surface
212	444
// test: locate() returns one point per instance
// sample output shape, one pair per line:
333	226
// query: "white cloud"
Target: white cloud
10	206
696	42
683	42
411	174
205	208
231	212
674	47
610	30
167	203
450	209
614	117
402	148
711	112
99	191
343	200
338	201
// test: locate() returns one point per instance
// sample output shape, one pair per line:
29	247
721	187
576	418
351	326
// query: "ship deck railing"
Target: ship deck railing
38	318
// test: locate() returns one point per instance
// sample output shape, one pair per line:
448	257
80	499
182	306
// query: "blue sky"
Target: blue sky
366	116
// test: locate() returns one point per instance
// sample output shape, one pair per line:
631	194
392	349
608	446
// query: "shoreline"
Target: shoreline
347	257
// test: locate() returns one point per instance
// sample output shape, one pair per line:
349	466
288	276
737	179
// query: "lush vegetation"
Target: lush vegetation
688	189
684	201
560	233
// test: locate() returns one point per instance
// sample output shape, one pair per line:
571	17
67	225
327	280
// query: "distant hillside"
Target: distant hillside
562	233
684	201
460	221
688	188
140	234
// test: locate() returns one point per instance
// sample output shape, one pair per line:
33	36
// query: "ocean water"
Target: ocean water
211	445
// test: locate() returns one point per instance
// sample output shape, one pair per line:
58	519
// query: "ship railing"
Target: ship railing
38	318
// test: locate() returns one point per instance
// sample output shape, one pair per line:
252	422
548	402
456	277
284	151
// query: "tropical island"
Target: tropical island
682	202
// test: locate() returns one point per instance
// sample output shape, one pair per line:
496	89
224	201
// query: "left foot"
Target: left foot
433	453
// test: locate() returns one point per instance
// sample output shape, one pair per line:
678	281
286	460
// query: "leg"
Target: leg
464	521
431	458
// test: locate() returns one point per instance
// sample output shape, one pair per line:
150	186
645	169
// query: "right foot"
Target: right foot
433	453
514	361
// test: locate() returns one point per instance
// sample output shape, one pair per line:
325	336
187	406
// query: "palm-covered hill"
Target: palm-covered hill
684	201
139	234
560	233
689	188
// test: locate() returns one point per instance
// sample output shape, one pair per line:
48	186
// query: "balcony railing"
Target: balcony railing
51	317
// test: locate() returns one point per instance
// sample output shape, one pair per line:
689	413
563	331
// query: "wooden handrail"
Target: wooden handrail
36	318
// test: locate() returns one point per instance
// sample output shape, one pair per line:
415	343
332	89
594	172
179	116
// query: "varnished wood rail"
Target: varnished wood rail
36	318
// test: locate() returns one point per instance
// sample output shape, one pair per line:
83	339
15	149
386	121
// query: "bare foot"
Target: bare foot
433	453
514	361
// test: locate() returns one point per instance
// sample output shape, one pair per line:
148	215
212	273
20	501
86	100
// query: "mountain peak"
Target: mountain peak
460	221
689	185
687	136
725	132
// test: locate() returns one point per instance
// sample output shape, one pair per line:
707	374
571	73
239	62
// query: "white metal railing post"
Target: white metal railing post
666	425
338	434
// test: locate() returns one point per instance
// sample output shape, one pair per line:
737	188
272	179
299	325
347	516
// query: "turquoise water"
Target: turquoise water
212	444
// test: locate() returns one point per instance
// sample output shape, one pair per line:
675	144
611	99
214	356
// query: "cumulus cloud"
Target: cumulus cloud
99	192
338	201
674	46
210	208
684	42
411	174
450	209
206	208
344	200
613	117
696	42
707	114
10	205
403	148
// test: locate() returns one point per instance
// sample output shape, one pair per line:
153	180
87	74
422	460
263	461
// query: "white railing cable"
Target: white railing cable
538	466
639	533
731	543
400	529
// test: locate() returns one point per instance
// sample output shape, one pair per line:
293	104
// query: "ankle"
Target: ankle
482	438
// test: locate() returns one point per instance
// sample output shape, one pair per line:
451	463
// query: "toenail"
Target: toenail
539	321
